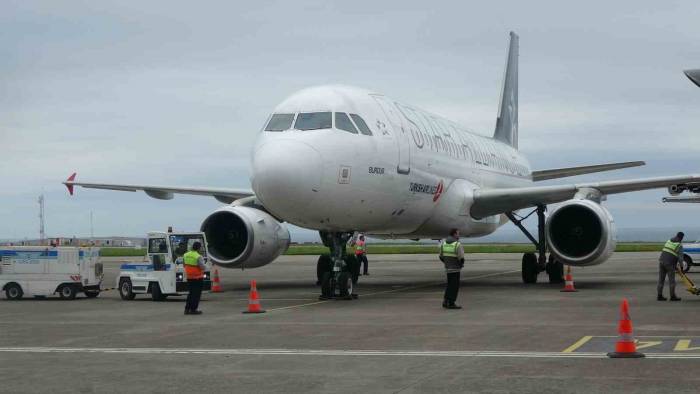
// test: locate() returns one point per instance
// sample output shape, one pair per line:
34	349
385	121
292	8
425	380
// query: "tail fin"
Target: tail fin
507	122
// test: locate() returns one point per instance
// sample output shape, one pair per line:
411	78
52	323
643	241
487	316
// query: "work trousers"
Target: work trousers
362	258
667	269
194	295
452	288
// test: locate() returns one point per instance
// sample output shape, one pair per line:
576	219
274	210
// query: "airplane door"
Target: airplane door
400	133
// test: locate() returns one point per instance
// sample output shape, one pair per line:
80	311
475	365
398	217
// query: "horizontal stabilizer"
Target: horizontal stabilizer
556	173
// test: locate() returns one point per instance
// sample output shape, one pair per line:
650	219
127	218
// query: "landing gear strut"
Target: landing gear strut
337	272
533	264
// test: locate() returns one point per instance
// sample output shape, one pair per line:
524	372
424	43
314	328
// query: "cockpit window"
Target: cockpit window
280	122
314	121
361	124
342	122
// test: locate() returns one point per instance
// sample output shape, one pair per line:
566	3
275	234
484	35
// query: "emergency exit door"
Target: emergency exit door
400	133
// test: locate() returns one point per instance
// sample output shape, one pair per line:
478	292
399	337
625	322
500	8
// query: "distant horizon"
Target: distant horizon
504	235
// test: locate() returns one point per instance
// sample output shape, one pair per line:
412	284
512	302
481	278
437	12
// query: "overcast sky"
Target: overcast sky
175	92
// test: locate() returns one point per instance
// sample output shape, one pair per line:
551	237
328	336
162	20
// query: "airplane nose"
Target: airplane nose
286	175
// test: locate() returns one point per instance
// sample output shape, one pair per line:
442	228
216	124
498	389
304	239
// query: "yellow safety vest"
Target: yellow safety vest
671	247
192	269
450	250
360	247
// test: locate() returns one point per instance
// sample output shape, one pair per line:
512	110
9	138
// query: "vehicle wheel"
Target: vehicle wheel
327	285
92	293
67	292
529	268
686	263
125	289
555	270
14	292
345	285
156	294
353	267
323	265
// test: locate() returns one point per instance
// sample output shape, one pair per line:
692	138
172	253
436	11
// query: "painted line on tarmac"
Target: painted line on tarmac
577	344
393	290
331	353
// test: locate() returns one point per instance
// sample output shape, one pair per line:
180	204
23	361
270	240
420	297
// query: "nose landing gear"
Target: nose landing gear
533	264
337	273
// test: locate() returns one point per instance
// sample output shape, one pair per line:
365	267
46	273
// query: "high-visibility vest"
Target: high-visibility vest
671	247
450	250
192	268
360	247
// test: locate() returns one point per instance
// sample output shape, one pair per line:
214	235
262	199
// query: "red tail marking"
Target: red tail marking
69	183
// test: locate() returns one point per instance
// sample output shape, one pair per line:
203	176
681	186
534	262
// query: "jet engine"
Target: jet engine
675	190
244	237
581	232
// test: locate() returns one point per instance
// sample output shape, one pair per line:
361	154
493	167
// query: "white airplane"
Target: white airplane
340	159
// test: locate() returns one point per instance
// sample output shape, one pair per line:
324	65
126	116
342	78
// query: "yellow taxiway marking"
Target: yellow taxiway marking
684	345
578	344
647	344
393	290
658	343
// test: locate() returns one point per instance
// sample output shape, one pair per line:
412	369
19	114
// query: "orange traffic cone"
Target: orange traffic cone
625	346
254	299
569	281
216	283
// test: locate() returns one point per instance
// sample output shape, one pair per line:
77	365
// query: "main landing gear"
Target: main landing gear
532	263
337	273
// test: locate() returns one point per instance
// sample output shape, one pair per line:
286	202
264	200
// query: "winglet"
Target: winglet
69	183
693	75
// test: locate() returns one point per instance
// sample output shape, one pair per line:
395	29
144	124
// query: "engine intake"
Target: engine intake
244	237
581	233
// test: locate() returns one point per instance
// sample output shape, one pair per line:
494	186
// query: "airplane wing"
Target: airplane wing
555	173
690	199
226	196
496	201
693	75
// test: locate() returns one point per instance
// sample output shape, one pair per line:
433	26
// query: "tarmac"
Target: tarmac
396	337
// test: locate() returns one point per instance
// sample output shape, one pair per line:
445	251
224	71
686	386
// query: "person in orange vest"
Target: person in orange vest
361	254
194	268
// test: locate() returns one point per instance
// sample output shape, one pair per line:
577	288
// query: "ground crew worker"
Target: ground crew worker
452	255
194	268
671	256
361	254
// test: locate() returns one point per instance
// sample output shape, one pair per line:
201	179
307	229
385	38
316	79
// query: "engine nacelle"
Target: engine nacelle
244	237
675	190
581	232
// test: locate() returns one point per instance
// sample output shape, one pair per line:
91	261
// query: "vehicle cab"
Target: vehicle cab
163	272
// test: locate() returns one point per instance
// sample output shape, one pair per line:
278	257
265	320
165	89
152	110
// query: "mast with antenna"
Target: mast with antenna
42	224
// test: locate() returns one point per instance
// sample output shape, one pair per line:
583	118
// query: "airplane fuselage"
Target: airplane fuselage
412	177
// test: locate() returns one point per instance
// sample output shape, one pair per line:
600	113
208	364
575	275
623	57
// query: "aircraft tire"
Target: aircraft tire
91	293
323	265
345	285
529	268
353	267
327	288
555	270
